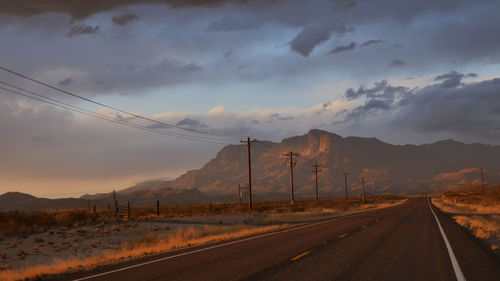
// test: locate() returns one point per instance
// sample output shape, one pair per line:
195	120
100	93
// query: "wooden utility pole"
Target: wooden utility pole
482	178
248	141
345	177
128	211
291	154
363	194
316	170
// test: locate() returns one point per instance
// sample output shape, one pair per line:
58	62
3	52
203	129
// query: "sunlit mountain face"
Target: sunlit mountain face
101	95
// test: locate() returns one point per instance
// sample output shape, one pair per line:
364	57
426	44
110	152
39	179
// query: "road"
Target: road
404	242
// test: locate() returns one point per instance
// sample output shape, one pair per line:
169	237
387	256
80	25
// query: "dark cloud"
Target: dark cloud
345	4
381	90
371	106
82	29
473	108
371	42
191	122
453	78
312	36
134	77
234	24
339	49
81	9
396	63
124	19
228	54
309	38
450	79
66	82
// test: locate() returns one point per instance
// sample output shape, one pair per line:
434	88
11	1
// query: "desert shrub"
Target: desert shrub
26	222
17	222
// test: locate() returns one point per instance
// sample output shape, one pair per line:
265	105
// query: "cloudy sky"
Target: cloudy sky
402	71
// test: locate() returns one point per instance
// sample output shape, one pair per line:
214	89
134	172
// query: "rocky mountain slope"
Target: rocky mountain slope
385	167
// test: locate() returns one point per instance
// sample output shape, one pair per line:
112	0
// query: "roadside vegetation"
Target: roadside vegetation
475	211
28	222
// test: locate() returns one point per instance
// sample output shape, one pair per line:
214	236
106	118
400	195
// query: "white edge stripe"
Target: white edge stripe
456	267
218	246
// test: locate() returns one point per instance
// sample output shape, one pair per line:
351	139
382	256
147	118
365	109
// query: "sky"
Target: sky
401	71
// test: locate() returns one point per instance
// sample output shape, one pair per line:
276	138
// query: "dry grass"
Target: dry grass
148	245
482	227
477	212
326	213
26	222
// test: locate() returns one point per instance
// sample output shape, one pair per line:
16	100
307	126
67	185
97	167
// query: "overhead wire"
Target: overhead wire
99	114
112	107
104	117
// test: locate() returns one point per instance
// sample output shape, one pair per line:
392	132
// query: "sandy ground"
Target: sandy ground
81	242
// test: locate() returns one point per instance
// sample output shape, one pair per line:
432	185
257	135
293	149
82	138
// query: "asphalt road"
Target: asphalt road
398	243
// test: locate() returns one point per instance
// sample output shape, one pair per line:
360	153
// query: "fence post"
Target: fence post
116	209
94	210
128	210
157	208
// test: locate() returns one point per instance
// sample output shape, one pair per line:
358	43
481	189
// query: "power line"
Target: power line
93	114
110	107
107	118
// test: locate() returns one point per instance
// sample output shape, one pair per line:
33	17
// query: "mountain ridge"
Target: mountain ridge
387	166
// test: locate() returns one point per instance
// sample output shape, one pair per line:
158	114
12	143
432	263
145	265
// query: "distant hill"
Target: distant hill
23	201
145	196
147	185
385	167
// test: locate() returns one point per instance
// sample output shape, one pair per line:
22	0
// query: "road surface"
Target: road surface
404	242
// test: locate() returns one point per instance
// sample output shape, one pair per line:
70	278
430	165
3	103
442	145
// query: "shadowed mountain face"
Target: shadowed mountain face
142	197
22	201
385	167
147	193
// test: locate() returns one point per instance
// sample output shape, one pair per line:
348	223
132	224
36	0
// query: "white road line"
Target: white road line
216	246
454	262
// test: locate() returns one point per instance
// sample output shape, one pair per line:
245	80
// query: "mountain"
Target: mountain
23	201
147	185
385	167
148	196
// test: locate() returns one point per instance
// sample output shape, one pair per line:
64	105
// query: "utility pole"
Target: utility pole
363	195
482	178
345	177
248	141
316	166
291	154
